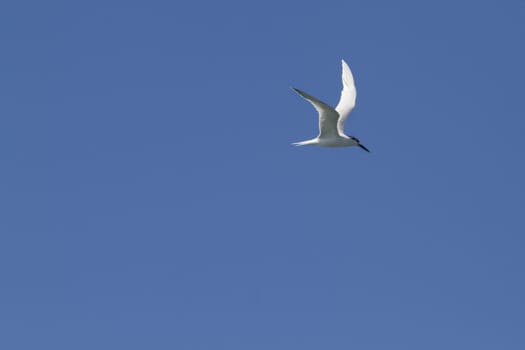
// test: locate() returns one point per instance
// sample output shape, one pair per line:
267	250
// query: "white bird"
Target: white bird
332	121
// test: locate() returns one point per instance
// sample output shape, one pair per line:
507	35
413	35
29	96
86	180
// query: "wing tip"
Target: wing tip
299	92
347	76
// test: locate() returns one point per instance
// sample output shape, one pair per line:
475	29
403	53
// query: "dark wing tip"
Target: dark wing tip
301	93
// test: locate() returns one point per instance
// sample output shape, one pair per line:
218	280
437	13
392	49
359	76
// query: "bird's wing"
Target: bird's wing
347	100
327	115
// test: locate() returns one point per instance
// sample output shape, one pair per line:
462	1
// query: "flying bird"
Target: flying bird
332	121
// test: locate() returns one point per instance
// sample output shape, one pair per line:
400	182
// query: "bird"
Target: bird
332	120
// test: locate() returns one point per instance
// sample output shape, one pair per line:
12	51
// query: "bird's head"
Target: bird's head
356	140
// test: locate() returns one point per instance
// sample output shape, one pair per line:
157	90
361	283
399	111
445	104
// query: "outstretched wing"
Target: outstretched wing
327	115
347	100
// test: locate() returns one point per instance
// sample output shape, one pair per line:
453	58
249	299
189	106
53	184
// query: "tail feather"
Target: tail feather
304	143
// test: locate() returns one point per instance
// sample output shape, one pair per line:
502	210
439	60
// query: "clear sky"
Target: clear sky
150	198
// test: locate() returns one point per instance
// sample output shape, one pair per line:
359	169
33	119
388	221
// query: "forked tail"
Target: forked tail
305	143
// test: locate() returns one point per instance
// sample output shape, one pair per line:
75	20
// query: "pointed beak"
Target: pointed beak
363	147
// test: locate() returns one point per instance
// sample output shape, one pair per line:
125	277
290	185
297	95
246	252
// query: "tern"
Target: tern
332	121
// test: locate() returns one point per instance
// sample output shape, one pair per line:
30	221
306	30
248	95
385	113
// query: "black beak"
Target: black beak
363	147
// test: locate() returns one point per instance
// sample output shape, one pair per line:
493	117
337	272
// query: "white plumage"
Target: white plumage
332	121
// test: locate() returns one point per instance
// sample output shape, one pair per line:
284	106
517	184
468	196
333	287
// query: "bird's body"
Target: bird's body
332	120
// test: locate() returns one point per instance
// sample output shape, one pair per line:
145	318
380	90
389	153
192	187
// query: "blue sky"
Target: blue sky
150	197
